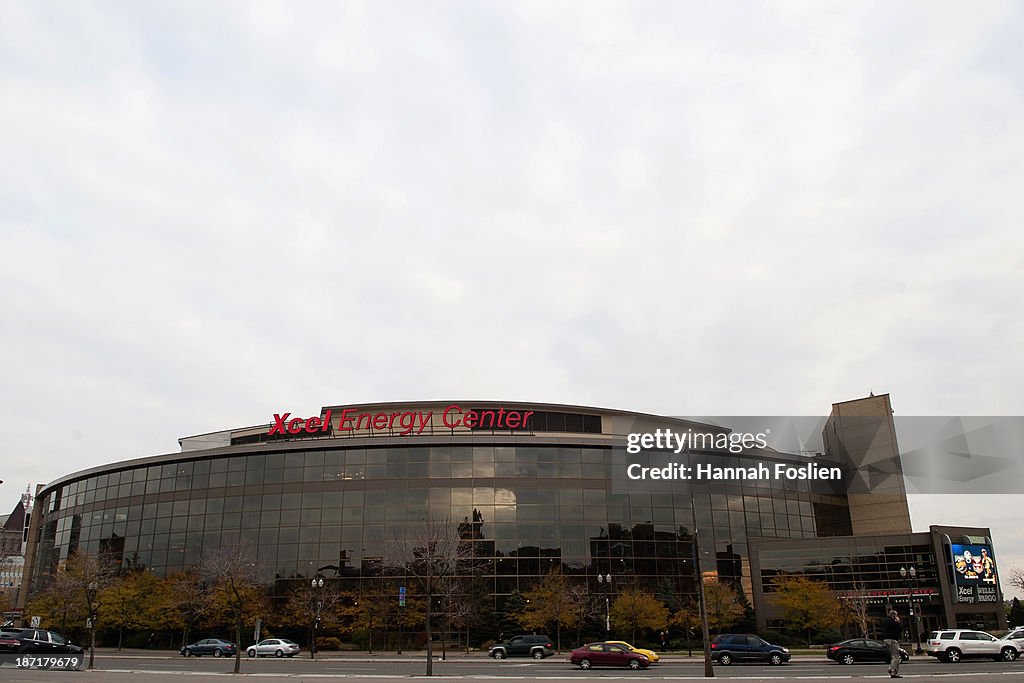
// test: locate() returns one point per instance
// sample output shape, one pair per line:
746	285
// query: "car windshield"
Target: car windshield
287	642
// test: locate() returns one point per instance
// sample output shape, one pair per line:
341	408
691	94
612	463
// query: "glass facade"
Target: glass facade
874	574
330	505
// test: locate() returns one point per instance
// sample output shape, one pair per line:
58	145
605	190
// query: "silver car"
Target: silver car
278	647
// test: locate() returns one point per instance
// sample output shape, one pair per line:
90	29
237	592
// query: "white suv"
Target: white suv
952	645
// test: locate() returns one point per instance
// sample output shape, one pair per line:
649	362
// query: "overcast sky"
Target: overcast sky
212	212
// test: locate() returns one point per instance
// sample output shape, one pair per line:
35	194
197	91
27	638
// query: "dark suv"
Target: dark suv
745	647
537	647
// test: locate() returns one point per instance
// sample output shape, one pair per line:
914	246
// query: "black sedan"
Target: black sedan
32	641
209	646
861	650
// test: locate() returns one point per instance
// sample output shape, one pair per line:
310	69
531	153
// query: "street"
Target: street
165	667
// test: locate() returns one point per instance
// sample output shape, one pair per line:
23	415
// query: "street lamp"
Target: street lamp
606	582
910	576
316	586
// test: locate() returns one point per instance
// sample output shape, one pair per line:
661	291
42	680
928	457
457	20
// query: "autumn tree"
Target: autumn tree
129	603
687	617
635	609
724	605
90	577
6	564
807	605
548	604
360	610
430	553
234	572
59	603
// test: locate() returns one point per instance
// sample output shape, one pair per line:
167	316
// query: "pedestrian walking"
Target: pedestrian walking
892	629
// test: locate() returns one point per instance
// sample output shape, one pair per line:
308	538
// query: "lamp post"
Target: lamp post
910	576
606	582
316	587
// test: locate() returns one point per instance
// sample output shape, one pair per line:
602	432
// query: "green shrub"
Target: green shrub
328	643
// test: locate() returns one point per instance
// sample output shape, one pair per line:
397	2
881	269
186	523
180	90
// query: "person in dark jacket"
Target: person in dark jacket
892	629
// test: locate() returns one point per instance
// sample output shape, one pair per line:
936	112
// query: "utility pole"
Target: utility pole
709	671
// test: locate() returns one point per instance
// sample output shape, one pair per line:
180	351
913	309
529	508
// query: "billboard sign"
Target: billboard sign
974	571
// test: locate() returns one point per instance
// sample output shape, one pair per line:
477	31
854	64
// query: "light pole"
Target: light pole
316	586
910	576
90	599
605	581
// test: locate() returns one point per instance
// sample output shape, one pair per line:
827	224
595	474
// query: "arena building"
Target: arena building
532	486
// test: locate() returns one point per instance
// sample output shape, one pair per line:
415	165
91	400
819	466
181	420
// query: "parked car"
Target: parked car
952	645
650	654
746	647
861	650
1017	636
608	654
278	647
537	647
32	641
209	646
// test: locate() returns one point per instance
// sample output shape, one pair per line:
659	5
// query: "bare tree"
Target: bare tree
858	607
188	599
1017	578
90	577
584	606
234	570
431	553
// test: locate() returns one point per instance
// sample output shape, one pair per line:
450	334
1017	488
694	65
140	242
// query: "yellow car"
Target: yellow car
650	654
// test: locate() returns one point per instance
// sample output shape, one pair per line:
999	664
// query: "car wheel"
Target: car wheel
775	659
904	658
953	655
279	653
188	652
499	654
538	654
634	664
218	653
725	659
251	653
584	663
1009	654
846	659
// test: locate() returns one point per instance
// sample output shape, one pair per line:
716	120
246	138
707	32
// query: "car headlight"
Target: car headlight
786	650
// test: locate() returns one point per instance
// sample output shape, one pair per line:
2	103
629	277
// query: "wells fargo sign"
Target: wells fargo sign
401	421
